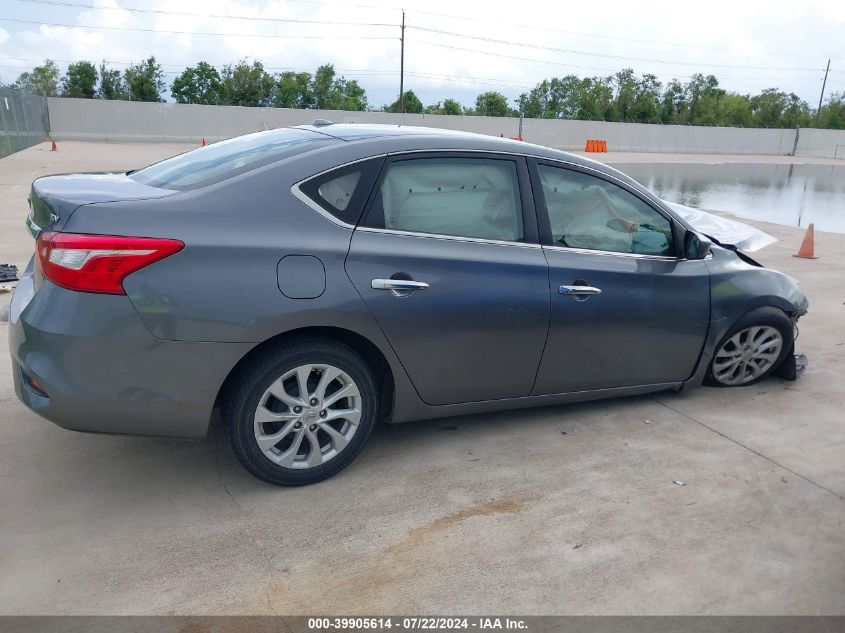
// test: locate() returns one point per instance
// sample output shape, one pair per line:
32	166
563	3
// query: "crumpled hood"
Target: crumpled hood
742	236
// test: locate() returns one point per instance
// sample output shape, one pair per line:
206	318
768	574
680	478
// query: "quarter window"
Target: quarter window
588	212
338	191
343	192
463	197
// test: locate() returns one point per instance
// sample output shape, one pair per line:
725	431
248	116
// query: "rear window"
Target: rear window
213	163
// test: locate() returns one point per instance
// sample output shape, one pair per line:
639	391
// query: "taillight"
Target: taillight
98	263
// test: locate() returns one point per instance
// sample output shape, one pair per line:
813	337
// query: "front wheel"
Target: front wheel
301	412
752	349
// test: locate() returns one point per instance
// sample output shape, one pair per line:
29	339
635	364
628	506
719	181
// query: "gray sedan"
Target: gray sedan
312	281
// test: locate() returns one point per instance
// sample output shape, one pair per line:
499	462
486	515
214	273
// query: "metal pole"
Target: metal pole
402	68
821	96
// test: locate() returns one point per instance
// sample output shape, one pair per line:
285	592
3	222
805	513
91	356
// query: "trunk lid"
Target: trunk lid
53	199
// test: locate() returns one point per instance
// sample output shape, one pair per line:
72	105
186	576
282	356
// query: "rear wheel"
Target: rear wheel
752	349
301	412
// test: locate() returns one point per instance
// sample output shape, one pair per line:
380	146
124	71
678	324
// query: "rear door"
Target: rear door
626	310
447	260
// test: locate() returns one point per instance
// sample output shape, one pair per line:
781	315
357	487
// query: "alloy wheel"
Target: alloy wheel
307	416
747	355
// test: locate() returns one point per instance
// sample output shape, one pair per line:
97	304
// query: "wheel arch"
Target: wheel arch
370	352
724	322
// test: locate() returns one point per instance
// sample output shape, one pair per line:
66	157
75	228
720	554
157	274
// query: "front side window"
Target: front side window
219	161
588	212
462	197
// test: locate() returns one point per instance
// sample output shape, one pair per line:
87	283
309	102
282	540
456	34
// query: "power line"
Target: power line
203	15
567	65
263	35
591	54
533	27
548	29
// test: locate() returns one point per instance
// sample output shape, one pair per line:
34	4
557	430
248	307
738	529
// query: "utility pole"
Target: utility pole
402	69
821	96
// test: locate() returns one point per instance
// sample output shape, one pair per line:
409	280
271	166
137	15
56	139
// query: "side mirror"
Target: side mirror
695	247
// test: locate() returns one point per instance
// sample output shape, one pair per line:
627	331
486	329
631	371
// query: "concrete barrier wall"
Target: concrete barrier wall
822	143
96	120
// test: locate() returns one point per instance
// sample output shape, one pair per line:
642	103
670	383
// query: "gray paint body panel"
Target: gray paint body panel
153	362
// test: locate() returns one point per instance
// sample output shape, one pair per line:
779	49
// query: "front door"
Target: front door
447	260
625	310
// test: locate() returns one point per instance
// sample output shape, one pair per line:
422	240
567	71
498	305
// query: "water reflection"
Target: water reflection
794	195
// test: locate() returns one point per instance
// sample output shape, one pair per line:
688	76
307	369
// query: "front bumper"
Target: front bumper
99	369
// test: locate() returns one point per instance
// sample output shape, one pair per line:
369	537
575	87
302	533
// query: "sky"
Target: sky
453	48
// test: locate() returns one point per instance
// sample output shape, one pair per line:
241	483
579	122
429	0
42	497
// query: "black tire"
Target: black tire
767	316
248	387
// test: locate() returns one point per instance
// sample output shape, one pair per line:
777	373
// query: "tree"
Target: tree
492	103
322	86
80	80
451	106
112	85
554	98
348	95
246	84
674	103
625	86
646	106
412	104
293	90
197	84
336	93
594	99
832	113
735	110
42	80
145	80
796	113
774	108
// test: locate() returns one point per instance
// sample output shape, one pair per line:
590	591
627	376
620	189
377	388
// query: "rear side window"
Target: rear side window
213	163
462	197
342	192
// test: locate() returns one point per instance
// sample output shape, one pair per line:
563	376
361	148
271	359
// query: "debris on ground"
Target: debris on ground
646	421
679	483
8	277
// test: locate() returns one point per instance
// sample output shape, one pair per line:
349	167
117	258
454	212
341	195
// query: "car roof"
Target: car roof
402	136
355	131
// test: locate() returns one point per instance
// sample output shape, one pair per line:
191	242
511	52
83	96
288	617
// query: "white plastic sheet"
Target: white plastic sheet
744	236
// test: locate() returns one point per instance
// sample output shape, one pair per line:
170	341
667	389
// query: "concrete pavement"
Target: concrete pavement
718	501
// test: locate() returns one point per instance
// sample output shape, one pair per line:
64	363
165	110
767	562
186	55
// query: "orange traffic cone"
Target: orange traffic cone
203	141
808	250
53	148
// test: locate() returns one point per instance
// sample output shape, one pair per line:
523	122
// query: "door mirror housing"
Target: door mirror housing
695	246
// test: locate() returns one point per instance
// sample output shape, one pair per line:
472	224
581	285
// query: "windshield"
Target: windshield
219	161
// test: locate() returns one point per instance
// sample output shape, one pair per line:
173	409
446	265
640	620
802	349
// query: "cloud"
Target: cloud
679	39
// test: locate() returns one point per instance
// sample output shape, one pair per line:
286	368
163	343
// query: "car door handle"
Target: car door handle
579	291
399	287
